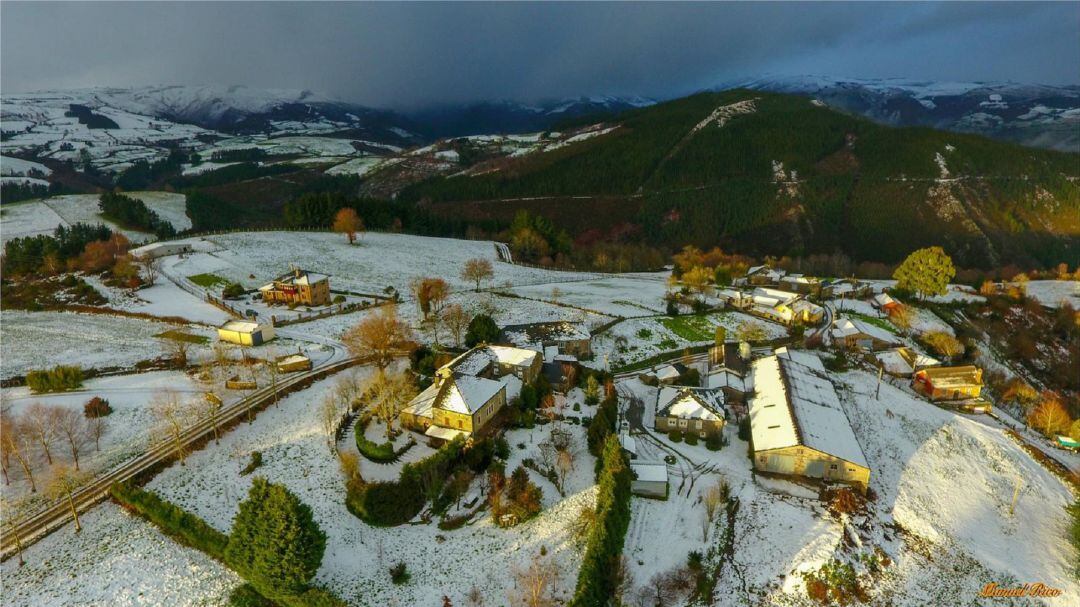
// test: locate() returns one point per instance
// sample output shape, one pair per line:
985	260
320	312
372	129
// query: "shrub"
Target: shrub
744	428
245	595
255	462
502	448
60	378
399	574
182	526
602	424
382	453
232	291
675	436
691	439
714	442
339	299
97	407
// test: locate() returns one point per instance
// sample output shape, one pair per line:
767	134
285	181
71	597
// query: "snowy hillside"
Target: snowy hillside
1032	114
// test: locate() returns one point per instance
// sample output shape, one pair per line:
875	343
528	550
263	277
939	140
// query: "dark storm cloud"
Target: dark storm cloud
417	54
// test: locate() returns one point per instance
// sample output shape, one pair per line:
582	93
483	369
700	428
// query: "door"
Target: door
782	464
815	468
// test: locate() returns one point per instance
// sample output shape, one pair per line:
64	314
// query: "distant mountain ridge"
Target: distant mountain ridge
1036	115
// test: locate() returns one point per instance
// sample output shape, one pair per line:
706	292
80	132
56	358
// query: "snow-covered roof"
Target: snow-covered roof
846	327
667	372
904	361
629	443
691	403
727	379
785	297
799	279
422	403
730	294
293	359
465	393
240	326
297	277
519	357
949	377
802	304
650	472
795	404
883	299
477	360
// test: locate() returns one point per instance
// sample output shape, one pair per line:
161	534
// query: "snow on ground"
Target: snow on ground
649	336
17	167
37	340
357	557
357	166
162	299
128	428
1052	292
118	560
23	181
628	295
376	261
204	167
948	481
43	216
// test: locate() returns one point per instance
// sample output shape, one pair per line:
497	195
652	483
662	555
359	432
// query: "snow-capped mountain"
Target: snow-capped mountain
1032	114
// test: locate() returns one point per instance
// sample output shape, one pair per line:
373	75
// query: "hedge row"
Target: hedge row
175	522
595	583
60	378
380	453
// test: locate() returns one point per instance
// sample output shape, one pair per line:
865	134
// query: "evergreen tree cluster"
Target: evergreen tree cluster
596	578
30	254
134	214
14	191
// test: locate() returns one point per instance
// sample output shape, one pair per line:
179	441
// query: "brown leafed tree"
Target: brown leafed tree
477	270
177	351
64	481
329	413
15	512
151	269
73	431
1050	416
347	222
172	417
380	336
944	344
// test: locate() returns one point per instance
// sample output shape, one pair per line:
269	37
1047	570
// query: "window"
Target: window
459	424
682	423
832	466
697	424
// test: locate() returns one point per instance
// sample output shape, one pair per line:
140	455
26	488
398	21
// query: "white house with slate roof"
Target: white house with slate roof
689	410
797	424
469	391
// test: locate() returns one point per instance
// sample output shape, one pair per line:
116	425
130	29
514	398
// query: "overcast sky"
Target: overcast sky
410	55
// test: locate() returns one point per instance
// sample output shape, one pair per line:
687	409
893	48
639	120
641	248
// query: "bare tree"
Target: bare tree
151	268
64	481
474	598
15	512
72	428
564	465
380	336
18	443
96	427
7	425
388	394
711	498
329	414
350	465
177	351
456	320
172	417
273	371
477	270
40	422
210	408
535	585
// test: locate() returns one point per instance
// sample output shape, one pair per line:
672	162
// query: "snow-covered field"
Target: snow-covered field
626	295
17	167
357	556
378	260
1053	292
162	299
37	340
43	216
128	429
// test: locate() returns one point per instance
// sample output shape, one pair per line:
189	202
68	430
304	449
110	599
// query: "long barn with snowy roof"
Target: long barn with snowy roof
797	424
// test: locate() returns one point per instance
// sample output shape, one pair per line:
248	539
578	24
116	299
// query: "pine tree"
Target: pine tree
275	543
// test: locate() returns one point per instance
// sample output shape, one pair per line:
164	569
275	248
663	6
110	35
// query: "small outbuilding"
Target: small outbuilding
293	363
856	334
161	249
246	332
689	410
949	383
650	479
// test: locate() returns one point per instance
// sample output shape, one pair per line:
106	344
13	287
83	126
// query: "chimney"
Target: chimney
744	350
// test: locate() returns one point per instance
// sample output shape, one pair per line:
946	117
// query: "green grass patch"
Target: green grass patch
695	327
881	323
178	335
207	281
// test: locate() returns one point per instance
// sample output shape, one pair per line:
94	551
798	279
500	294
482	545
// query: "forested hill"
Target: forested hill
774	174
